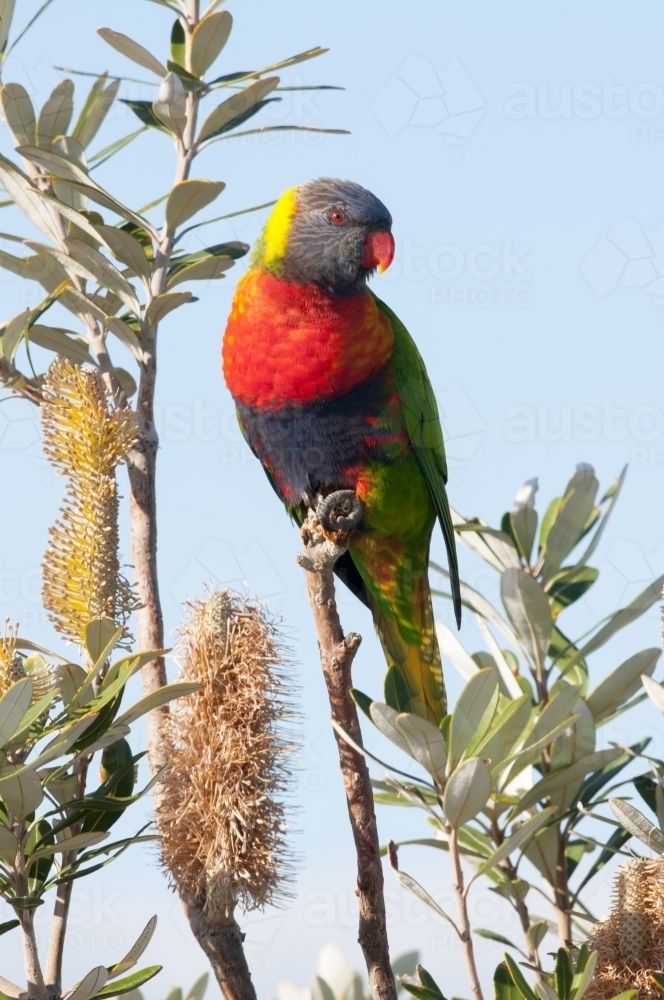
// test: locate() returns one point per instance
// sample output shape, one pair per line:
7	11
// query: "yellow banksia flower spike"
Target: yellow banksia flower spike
85	440
221	815
630	942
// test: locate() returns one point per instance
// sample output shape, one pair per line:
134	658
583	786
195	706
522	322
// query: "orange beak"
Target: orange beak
378	251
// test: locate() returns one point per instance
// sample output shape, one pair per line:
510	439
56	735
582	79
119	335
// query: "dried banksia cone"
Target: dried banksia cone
85	440
630	942
221	813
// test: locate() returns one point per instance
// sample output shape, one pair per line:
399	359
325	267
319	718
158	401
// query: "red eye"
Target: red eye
337	217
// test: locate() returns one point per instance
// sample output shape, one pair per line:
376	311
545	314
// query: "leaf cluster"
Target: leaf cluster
53	831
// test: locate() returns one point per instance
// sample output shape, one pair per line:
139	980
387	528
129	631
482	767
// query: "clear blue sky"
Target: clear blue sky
520	150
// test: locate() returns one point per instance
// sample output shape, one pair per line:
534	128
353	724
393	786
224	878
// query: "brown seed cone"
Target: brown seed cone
630	942
85	440
221	815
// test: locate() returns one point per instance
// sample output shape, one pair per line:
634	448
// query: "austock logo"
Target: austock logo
420	96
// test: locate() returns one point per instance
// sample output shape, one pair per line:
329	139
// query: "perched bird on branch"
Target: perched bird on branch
332	394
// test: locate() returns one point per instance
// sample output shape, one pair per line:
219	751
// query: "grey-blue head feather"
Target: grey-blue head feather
327	234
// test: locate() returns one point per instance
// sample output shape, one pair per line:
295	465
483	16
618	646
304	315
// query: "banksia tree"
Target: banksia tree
630	942
85	440
221	813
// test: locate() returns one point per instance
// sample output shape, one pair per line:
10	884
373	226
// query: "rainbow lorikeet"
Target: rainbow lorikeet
331	393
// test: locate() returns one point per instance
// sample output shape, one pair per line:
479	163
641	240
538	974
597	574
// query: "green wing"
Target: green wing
422	423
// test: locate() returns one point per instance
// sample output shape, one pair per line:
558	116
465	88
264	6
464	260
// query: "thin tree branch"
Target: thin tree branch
221	941
322	549
463	919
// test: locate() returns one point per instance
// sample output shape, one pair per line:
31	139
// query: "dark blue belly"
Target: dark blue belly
306	448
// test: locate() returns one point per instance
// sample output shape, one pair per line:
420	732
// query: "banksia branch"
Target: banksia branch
221	815
85	440
630	942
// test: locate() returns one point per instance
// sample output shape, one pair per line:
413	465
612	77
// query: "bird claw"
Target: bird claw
339	511
326	530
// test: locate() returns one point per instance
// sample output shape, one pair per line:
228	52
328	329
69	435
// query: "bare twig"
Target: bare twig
323	546
462	910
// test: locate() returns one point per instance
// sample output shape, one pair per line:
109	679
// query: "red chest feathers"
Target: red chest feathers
287	343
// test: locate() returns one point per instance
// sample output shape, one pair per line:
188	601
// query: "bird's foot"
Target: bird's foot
325	533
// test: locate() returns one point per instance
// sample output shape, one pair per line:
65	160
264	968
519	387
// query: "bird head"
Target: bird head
333	233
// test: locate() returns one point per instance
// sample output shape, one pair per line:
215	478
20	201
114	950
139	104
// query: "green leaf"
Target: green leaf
523	518
19	113
189	197
425	742
582	977
61	342
566	778
550	515
91	984
466	792
144	113
104	272
611	496
25	197
320	990
178	43
13	706
210	268
427	990
572	516
362	700
563	974
521	835
417	890
163	304
528	610
208	39
493	936
518	979
92	118
397	695
17	265
655	692
495	547
9	925
157	698
55	116
197	991
537	932
20	790
384	718
635	822
645	786
237	109
73	843
136	950
617	840
6	16
476	602
130	982
132	50
25	903
72	174
570	584
622	683
641	603
563	653
503	985
506	731
127	249
473	713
